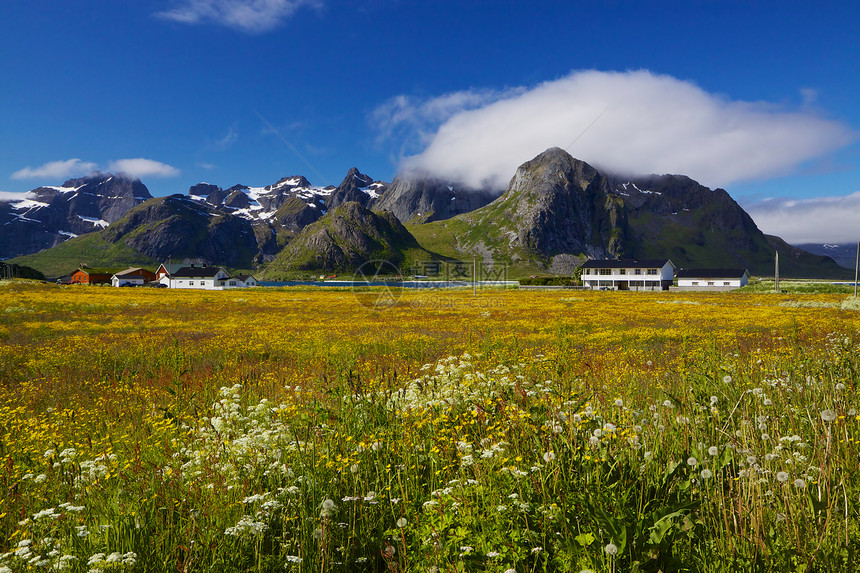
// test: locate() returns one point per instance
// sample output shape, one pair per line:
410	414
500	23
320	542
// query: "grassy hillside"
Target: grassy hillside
90	249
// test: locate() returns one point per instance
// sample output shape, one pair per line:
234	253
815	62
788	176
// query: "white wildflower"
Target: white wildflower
611	549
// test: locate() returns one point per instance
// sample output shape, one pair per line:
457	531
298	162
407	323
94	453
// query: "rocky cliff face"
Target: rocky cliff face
556	208
357	187
557	204
423	198
178	227
47	216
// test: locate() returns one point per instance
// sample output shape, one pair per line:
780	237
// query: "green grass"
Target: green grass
90	249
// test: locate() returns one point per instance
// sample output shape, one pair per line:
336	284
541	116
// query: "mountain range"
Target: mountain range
556	212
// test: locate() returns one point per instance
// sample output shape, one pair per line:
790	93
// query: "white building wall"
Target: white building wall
694	282
641	281
119	281
205	283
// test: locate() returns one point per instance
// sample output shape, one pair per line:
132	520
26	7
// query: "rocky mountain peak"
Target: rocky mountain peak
356	186
51	214
203	189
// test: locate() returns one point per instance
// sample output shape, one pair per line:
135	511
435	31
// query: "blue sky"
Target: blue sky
760	98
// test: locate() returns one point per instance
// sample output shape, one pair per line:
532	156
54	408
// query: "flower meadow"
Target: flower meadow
302	430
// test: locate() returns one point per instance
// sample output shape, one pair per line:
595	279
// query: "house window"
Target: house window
727	283
190	283
695	283
605	271
637	272
710	283
622	271
232	283
652	271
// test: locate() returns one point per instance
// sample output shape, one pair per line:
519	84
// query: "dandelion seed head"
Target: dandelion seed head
828	415
713	450
782	477
706	474
611	549
799	483
691	461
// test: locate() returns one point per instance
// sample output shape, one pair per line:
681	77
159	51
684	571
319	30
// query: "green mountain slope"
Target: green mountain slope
344	239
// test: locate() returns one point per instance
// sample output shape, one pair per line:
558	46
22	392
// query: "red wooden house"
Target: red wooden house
88	276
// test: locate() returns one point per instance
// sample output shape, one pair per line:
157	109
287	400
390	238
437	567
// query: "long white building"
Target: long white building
628	274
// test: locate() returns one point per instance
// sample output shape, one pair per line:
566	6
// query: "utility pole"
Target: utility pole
776	273
856	267
475	276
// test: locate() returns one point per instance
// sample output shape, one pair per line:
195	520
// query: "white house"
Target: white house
712	279
628	274
244	281
207	278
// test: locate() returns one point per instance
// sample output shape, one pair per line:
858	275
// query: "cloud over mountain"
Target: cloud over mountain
60	170
251	16
13	196
56	170
141	167
818	220
624	122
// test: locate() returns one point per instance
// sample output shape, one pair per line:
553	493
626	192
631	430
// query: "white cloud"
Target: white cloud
56	170
251	16
13	196
819	220
417	119
645	123
141	167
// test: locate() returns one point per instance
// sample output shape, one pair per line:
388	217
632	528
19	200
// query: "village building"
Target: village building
207	278
244	281
712	279
91	276
628	274
165	269
132	277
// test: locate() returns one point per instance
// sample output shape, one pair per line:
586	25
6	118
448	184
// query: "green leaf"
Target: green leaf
584	539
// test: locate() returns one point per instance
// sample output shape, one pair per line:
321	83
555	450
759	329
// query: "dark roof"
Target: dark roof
710	273
133	271
196	272
626	264
170	267
96	271
244	278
